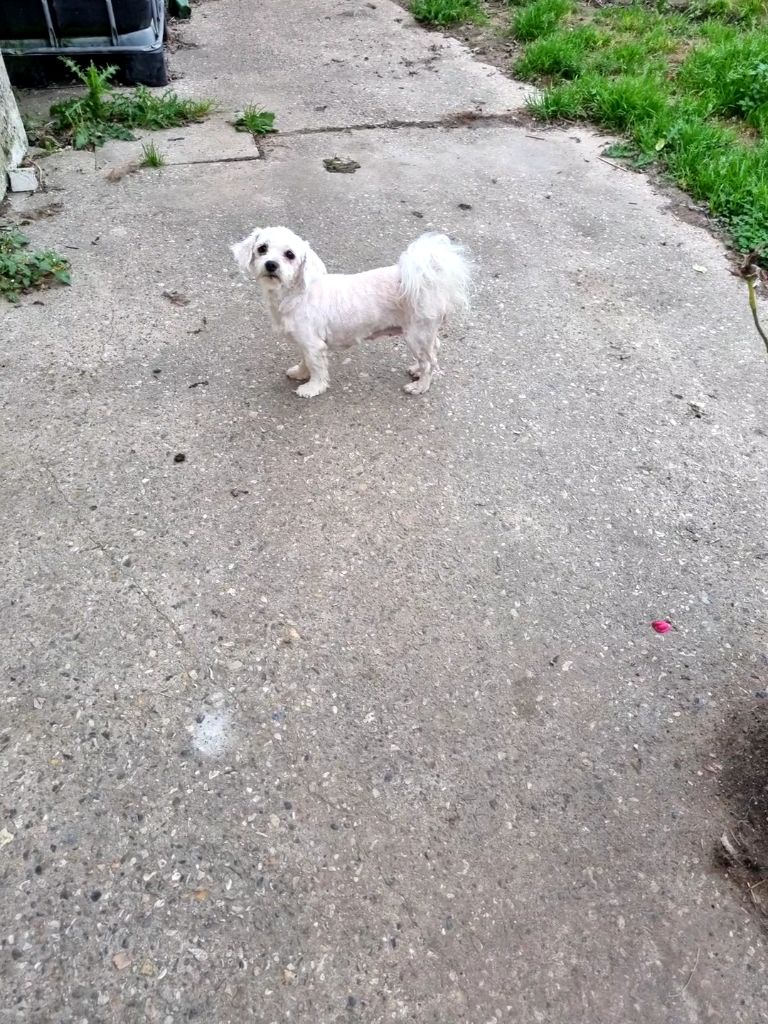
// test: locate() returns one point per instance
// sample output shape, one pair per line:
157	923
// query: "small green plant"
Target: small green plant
82	121
151	156
631	153
620	151
255	121
22	269
141	108
86	122
40	134
97	84
447	12
539	18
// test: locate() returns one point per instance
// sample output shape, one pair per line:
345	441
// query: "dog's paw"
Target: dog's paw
311	389
297	372
420	386
414	371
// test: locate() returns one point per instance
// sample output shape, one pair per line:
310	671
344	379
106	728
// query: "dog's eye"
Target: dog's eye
261	250
290	255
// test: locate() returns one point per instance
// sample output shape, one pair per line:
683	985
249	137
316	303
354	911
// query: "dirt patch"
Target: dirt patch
742	850
175	39
490	42
31	211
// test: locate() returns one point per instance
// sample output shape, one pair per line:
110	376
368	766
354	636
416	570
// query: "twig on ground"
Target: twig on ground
693	969
750	271
750	279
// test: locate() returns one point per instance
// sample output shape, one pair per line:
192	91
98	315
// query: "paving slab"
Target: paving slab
213	141
355	711
354	62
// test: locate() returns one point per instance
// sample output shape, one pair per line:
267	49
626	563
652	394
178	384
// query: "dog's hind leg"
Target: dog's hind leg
414	369
434	353
422	340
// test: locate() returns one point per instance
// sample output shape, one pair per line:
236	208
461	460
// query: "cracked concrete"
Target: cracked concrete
359	64
214	142
356	713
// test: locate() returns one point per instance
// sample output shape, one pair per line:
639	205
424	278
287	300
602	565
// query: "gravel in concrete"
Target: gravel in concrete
356	712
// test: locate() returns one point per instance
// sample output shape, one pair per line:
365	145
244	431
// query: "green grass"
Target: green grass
539	18
151	156
88	121
730	75
255	121
23	269
641	22
739	12
687	91
563	54
447	12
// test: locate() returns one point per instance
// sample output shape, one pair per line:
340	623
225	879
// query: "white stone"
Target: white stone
23	179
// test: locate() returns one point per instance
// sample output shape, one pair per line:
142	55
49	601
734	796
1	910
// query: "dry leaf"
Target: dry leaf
200	895
121	961
120	170
177	298
337	166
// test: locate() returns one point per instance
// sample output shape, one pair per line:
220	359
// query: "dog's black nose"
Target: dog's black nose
271	267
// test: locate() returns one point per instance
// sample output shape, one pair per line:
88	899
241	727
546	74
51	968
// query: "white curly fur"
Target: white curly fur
319	311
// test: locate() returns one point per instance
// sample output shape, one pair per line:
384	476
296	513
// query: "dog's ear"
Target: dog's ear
245	251
312	267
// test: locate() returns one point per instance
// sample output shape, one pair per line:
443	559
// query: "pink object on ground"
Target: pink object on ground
661	626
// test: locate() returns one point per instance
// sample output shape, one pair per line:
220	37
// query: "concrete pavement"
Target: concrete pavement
356	714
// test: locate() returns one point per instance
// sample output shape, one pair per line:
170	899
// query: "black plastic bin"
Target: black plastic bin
91	17
128	33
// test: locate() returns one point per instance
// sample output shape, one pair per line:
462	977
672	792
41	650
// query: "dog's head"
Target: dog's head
278	258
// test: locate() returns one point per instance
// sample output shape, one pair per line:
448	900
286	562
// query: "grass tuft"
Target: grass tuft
564	54
88	121
151	156
539	18
447	12
255	121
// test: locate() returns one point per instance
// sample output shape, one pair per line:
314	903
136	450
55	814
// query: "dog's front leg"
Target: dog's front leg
316	363
298	372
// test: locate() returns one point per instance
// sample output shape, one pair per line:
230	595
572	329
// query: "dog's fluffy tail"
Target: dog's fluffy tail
434	276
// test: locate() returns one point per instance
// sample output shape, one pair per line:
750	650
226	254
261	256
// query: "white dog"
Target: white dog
319	311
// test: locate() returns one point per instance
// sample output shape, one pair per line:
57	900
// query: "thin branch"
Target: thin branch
693	969
750	279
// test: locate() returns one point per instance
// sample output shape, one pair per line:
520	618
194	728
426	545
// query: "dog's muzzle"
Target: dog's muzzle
271	268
